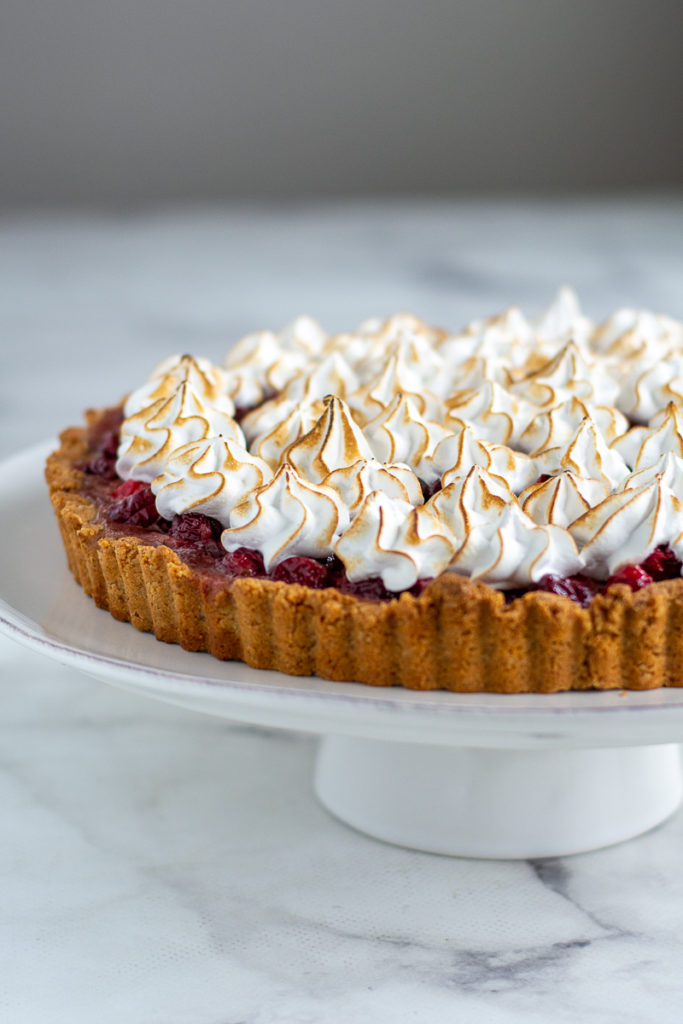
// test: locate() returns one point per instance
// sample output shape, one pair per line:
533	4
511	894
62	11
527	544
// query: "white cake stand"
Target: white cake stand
477	775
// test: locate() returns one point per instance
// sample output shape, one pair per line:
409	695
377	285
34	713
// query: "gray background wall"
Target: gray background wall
132	100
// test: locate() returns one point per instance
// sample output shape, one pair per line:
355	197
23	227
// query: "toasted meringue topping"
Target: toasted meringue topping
403	329
400	434
506	336
280	433
642	446
456	454
647	387
206	380
630	332
286	517
471	500
488	411
494	414
562	498
513	551
148	437
210	476
626	527
391	539
586	454
377	394
333	442
557	425
353	483
562	320
565	375
668	468
332	376
263	347
265	362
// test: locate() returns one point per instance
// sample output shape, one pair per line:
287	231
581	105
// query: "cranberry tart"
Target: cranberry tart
495	509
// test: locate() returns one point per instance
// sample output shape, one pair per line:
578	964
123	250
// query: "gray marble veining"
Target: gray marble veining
161	867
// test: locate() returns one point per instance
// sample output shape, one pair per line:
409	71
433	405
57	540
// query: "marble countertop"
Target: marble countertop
162	867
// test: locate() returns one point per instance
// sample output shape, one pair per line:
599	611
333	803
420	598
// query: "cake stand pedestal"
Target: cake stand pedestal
477	802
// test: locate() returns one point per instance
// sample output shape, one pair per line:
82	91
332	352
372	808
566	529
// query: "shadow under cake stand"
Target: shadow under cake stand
476	775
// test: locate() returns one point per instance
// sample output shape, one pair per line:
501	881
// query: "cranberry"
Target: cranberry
372	588
109	444
137	508
244	562
335	570
632	575
102	466
662	564
127	487
103	462
306	571
417	588
579	588
197	531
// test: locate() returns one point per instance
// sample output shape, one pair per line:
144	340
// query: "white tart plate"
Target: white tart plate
490	775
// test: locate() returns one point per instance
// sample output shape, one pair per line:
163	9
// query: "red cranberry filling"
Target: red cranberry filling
134	504
199	532
372	588
103	462
579	588
244	562
662	564
634	576
307	571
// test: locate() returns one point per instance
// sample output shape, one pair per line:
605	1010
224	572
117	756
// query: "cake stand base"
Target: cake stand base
473	802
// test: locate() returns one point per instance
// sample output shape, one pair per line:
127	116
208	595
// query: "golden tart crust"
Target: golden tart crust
457	635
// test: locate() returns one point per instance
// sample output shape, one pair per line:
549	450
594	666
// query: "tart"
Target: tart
498	509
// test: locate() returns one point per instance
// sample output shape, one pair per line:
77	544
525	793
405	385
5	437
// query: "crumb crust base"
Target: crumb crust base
457	635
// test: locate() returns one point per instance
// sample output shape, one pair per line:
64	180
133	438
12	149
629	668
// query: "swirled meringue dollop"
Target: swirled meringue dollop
148	437
513	551
303	334
470	501
210	476
586	454
263	361
642	446
627	526
507	336
400	434
206	381
494	413
457	453
565	375
334	441
668	468
331	376
279	433
647	386
288	516
373	397
561	321
353	483
557	425
632	332
391	539
561	499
